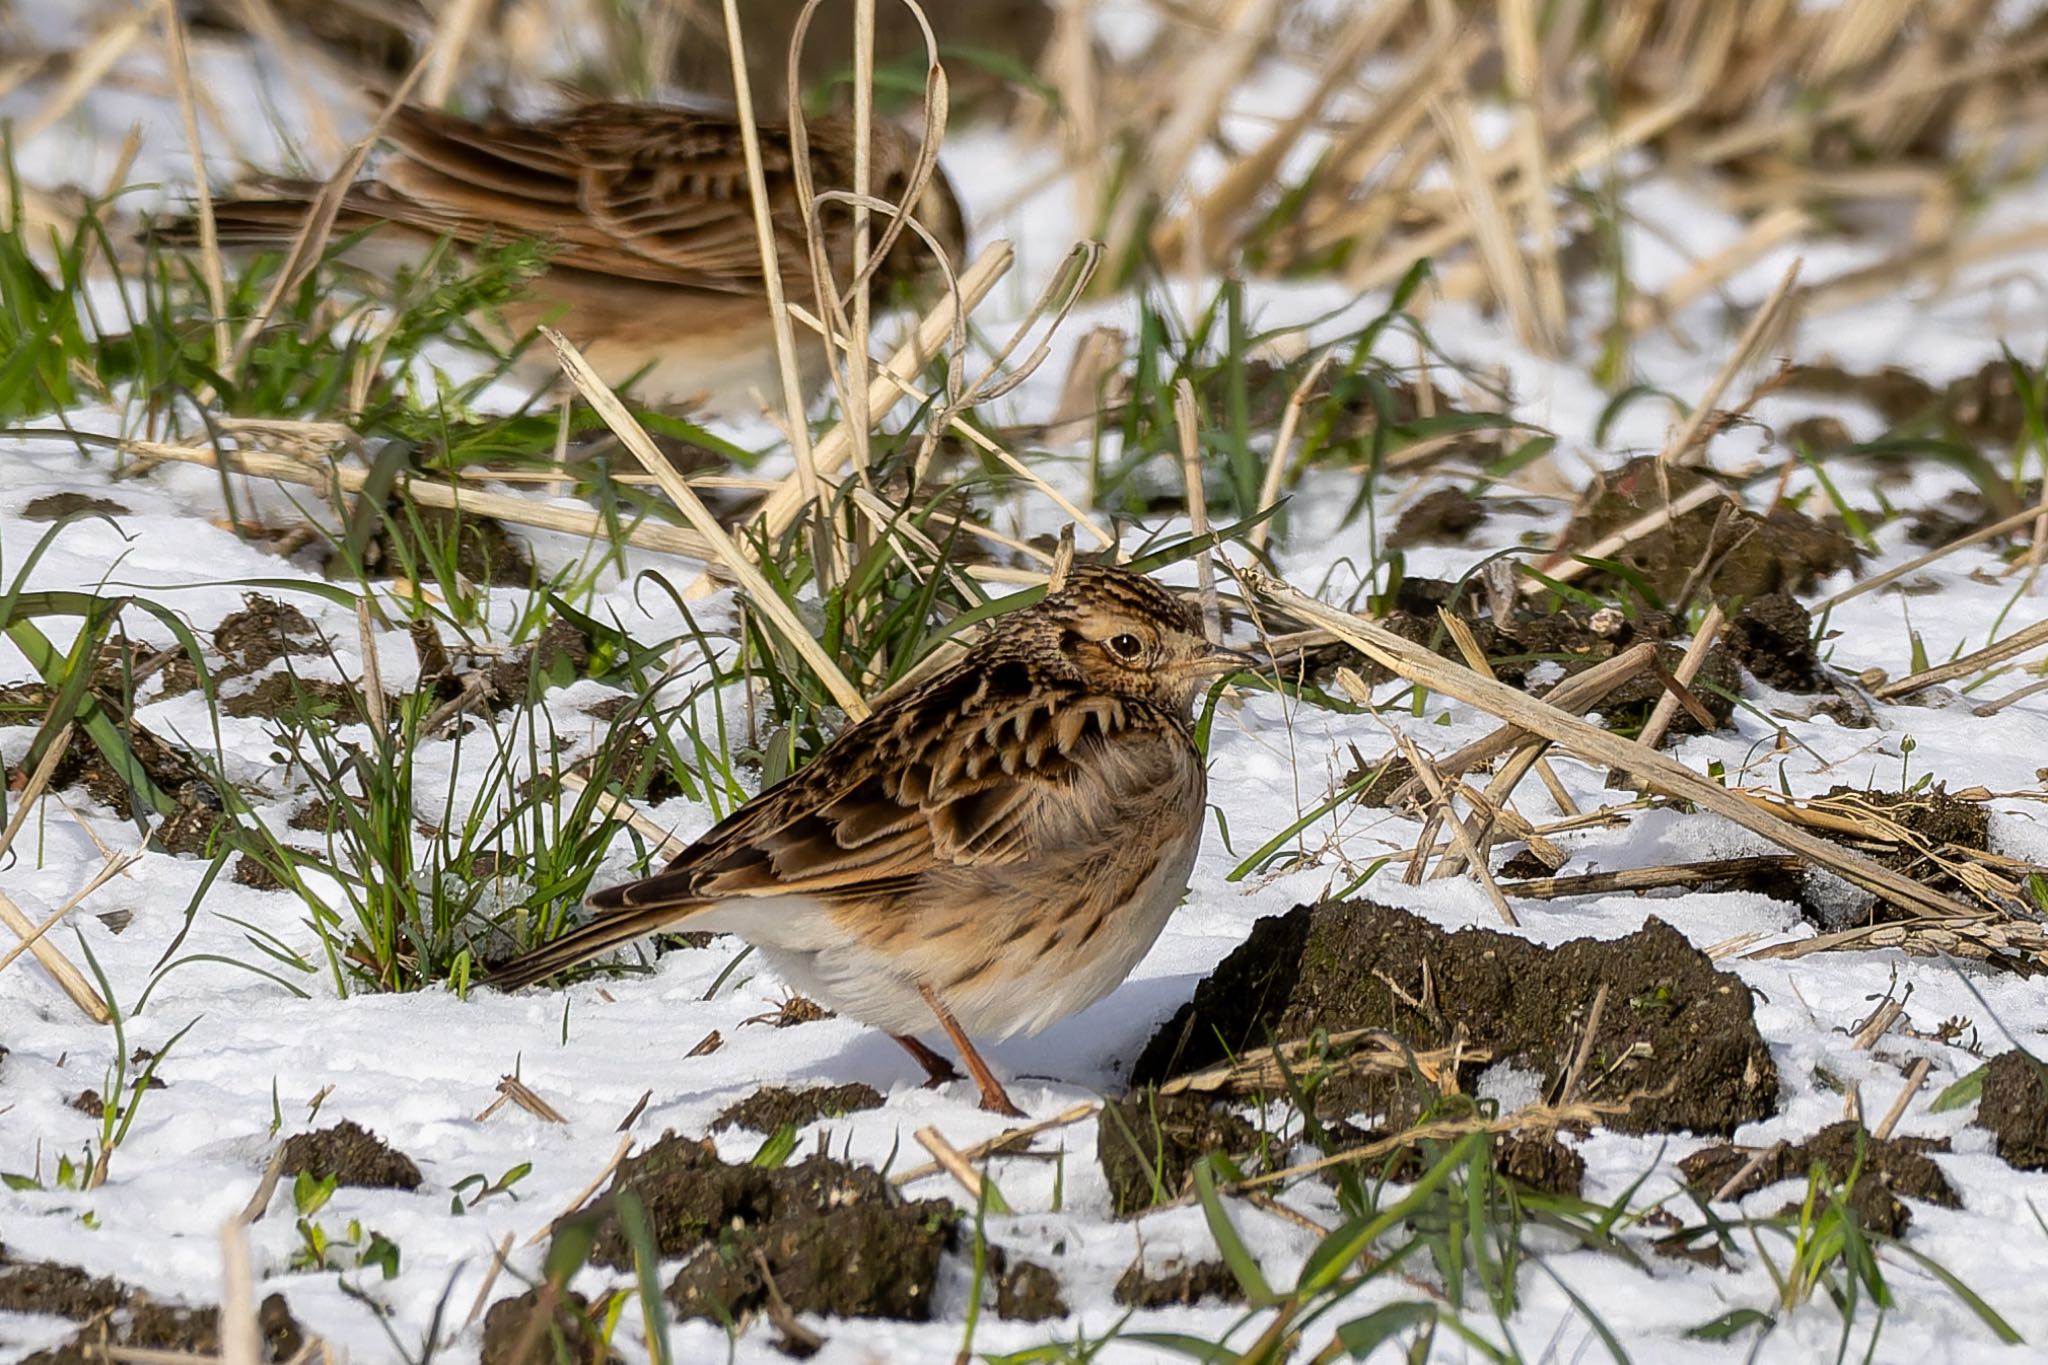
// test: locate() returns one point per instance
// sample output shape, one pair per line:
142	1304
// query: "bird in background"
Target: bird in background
655	269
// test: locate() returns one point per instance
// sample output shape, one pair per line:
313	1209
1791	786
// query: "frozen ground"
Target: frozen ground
420	1069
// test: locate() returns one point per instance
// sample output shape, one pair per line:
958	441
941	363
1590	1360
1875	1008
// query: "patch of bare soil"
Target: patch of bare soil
1148	1144
353	1156
2014	1106
773	1106
248	872
1536	1160
528	1330
262	632
1184	1286
1574	638
1676	1038
1772	637
1443	516
835	1238
1718	549
1937	828
172	769
294	700
1025	1290
55	506
1983	407
485	551
126	1319
1890	1167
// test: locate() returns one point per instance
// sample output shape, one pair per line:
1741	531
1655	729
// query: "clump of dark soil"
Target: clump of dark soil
251	873
1935	820
1025	1290
1984	406
1534	1159
2014	1106
295	700
353	1156
54	506
1445	516
773	1106
1541	1162
558	656
261	633
485	552
117	1315
1772	637
572	1334
190	828
1148	1144
1572	637
836	1238
1183	1287
1677	1039
1891	1167
82	764
1745	554
631	761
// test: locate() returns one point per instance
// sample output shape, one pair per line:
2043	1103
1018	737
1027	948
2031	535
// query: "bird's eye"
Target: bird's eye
1126	646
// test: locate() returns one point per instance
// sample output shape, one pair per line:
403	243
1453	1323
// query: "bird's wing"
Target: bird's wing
985	793
634	191
956	776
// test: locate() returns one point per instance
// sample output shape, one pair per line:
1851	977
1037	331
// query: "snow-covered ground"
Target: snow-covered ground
420	1069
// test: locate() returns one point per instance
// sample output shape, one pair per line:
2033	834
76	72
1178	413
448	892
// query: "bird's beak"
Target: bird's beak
1219	661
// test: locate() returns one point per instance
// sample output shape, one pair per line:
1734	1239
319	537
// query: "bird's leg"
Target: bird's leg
937	1070
994	1098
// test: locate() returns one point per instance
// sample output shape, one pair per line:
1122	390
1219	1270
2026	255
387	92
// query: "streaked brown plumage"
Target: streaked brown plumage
997	847
656	271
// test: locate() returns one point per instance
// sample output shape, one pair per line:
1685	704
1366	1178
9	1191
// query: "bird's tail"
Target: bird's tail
274	218
613	926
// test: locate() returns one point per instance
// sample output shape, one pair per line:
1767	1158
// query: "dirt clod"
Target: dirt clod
2014	1106
1025	1290
281	696
1541	1162
53	506
1445	516
1182	1287
114	1314
1148	1144
485	552
1934	823
1677	1038
353	1156
1772	637
1891	1167
250	873
571	1334
773	1106
837	1239
261	633
1745	554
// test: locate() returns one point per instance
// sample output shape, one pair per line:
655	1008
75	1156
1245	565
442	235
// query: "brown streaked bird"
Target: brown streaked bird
994	849
656	271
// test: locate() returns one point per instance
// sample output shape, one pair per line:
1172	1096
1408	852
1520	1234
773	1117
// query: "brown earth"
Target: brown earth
353	1156
2014	1106
1677	1041
1890	1167
836	1238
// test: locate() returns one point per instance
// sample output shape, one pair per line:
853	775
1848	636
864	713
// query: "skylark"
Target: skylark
656	270
994	849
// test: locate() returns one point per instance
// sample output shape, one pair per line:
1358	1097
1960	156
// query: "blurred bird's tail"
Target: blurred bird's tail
613	926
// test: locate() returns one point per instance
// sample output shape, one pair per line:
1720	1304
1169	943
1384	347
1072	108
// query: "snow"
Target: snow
420	1069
